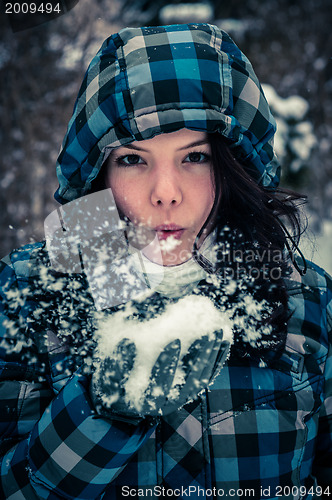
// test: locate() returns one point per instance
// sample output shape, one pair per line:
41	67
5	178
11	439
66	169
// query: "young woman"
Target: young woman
172	122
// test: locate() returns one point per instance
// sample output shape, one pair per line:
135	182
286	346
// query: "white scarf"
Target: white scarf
177	281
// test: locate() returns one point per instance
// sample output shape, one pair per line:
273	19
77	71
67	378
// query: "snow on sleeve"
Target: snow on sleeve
189	319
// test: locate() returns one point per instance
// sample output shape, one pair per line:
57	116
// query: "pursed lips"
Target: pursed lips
166	230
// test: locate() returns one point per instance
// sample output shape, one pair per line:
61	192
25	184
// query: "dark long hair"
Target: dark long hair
258	231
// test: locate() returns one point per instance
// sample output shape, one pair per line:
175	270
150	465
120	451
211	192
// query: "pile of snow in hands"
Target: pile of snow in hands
189	319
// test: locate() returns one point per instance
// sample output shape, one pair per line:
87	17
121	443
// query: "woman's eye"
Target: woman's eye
197	157
129	160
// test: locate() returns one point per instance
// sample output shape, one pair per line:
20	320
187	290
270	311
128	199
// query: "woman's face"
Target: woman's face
165	184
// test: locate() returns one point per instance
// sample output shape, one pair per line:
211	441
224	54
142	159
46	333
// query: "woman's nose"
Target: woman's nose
166	189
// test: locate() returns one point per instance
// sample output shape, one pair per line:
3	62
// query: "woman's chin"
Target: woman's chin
168	258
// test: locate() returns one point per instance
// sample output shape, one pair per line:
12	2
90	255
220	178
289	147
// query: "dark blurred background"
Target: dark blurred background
289	43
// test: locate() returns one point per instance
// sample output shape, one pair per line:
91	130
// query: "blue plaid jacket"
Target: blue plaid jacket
260	431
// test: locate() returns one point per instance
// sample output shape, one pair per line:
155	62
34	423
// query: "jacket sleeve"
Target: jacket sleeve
53	446
323	457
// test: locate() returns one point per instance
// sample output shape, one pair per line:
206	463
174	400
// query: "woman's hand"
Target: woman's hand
109	379
169	389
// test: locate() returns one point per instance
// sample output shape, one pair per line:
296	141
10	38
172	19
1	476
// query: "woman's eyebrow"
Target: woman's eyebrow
187	146
194	144
131	146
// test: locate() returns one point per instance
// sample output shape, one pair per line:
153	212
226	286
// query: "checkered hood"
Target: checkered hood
146	81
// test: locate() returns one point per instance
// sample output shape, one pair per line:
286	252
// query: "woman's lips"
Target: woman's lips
167	230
